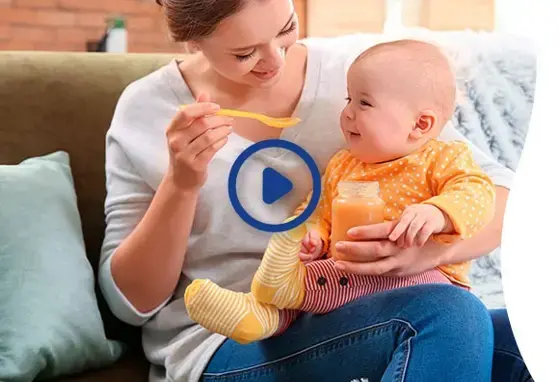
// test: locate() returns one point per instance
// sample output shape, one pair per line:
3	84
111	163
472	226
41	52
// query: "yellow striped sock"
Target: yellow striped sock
236	315
279	280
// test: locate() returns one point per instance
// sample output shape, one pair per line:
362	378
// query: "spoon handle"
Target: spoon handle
239	113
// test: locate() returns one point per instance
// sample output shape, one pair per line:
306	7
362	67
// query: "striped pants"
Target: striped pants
327	289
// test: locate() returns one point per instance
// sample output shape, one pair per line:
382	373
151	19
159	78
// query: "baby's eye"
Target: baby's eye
348	99
365	103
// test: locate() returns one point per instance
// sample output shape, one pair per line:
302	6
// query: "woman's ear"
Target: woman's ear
191	47
424	123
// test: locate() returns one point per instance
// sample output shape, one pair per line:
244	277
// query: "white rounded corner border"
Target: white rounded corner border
530	245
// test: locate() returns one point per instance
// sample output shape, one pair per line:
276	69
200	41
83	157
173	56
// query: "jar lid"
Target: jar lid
359	188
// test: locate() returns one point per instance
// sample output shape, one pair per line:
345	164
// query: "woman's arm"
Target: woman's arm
145	239
147	234
147	265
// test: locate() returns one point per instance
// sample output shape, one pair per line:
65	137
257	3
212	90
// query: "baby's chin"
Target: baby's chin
366	156
366	152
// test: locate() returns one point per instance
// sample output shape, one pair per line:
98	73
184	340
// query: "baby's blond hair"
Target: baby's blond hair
436	80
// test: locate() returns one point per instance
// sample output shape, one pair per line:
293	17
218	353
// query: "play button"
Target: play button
274	186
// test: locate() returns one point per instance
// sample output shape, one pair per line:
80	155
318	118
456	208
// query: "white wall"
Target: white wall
516	17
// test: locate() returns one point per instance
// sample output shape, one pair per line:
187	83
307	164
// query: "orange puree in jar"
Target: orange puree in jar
357	203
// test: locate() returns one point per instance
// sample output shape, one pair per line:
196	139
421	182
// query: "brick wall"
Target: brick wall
67	25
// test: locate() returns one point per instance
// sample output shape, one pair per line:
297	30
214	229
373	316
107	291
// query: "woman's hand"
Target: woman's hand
193	137
374	254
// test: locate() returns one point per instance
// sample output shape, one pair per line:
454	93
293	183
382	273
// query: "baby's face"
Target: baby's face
379	117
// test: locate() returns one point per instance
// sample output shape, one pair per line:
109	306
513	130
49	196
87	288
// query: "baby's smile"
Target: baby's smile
352	133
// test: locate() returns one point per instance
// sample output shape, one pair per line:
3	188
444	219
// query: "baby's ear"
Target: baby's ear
424	124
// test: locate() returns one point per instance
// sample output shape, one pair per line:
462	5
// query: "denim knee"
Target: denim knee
457	313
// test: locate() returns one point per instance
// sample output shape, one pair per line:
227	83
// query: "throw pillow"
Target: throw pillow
50	324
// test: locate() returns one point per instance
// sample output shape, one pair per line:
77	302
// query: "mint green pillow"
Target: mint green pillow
50	324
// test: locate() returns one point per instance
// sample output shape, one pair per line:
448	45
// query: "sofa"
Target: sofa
65	101
53	101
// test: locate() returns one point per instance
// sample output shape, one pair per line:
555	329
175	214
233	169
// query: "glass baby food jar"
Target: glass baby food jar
357	203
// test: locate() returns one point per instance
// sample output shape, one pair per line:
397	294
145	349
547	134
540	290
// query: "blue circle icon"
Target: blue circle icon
283	144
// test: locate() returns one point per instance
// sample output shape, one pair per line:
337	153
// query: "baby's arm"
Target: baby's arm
463	205
463	192
317	241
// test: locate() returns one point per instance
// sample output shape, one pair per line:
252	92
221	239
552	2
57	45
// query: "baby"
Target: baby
400	96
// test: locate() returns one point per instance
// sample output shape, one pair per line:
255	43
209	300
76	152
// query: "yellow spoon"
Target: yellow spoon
280	123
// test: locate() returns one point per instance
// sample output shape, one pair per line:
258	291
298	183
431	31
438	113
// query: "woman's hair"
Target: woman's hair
189	20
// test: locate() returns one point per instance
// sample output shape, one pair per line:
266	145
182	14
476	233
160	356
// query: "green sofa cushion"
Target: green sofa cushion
50	324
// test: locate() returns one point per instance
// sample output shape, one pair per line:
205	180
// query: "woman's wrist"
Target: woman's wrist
170	188
469	249
444	254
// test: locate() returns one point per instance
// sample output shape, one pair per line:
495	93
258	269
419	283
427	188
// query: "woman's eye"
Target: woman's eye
289	30
244	57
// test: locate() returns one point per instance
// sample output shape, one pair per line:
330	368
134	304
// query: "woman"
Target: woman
167	170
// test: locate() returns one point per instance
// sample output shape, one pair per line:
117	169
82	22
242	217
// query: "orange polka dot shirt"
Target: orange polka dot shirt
443	174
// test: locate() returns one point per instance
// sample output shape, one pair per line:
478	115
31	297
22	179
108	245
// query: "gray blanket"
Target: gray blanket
496	76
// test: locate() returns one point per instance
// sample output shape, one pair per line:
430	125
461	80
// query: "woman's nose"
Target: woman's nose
273	57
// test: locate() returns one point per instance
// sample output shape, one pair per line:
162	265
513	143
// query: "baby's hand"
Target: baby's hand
417	223
311	248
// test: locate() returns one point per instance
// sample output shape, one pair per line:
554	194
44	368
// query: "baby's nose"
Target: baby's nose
348	113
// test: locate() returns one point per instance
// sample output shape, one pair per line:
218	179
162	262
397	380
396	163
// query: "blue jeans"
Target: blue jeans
508	364
420	333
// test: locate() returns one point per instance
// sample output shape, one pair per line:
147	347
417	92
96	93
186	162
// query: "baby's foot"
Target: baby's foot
236	315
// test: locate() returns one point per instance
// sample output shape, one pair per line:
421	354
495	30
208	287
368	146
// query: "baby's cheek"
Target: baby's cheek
382	140
395	141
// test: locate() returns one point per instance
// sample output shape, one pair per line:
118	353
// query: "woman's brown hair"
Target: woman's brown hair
189	20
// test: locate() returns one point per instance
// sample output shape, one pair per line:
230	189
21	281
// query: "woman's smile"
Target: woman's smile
265	75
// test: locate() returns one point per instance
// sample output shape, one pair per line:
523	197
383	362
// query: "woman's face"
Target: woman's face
249	47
